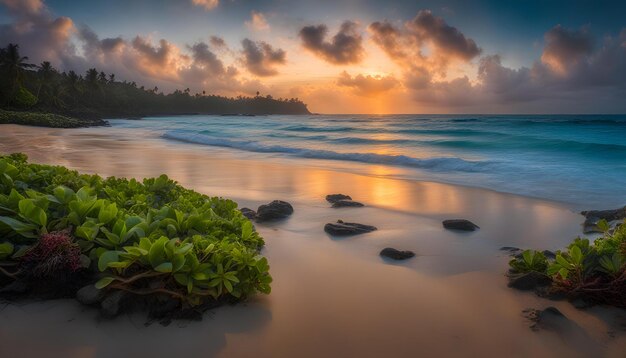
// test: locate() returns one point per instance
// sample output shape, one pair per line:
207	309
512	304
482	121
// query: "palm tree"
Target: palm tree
14	63
14	66
46	73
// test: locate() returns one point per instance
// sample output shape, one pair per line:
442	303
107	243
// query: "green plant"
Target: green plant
530	260
148	238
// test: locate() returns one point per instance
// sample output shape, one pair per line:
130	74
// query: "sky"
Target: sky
345	56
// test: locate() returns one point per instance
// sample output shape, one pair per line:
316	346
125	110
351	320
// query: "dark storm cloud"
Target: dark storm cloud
565	48
261	59
345	47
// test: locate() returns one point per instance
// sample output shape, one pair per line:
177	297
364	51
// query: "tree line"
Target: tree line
42	88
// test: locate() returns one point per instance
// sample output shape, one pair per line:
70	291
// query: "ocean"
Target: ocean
575	159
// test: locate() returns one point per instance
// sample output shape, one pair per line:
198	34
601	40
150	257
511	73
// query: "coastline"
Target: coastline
329	295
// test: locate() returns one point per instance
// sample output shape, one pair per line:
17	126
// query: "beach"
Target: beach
330	296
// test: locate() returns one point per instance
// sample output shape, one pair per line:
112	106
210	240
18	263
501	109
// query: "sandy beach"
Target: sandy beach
329	296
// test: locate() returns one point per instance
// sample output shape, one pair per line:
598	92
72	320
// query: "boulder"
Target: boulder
460	224
346	203
345	229
113	304
396	254
529	280
249	213
332	198
89	295
277	209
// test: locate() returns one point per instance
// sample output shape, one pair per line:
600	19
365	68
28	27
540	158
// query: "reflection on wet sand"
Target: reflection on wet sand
330	297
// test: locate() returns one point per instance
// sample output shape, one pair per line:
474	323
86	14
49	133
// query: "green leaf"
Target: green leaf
32	212
19	227
104	282
576	254
157	251
6	249
246	230
165	267
106	258
107	213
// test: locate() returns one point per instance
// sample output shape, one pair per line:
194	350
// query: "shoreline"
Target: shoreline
330	296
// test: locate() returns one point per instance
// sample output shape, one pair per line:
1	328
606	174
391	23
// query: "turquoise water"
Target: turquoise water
569	158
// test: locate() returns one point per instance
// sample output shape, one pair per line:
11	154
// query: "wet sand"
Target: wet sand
330	297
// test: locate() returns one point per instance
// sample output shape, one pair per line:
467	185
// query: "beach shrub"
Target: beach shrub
44	120
150	237
530	260
594	271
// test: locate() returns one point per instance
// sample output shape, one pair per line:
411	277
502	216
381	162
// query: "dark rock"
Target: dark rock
346	203
164	307
396	254
549	319
549	254
89	295
277	209
345	229
113	304
580	303
608	215
249	213
460	224
332	198
529	280
511	250
15	288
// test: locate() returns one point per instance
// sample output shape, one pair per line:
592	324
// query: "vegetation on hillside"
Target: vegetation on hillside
151	239
592	271
96	95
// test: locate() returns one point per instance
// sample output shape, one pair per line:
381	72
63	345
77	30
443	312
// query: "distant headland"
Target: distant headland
42	95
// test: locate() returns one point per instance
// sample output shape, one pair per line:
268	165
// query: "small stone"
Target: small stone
346	203
249	213
113	304
460	224
396	254
345	229
549	254
89	295
529	280
277	209
332	198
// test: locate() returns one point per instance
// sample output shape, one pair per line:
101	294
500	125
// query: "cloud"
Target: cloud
206	4
426	41
447	40
565	49
257	22
345	47
204	57
40	35
261	59
218	42
367	85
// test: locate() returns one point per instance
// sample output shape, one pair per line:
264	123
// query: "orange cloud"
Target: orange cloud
257	22
367	85
206	4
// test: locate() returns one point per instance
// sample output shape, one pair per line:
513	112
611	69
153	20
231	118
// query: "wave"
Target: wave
447	164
